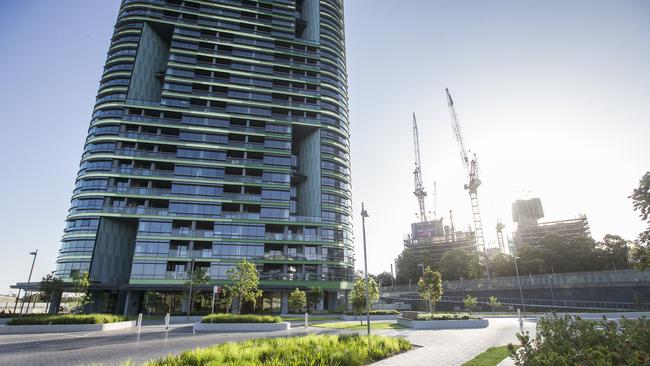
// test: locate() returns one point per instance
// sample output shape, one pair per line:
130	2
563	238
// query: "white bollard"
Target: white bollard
306	320
167	321
139	324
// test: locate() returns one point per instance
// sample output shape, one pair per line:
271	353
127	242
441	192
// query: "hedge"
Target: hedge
376	312
237	318
449	316
67	319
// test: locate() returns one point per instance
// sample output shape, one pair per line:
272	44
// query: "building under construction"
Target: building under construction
526	213
432	239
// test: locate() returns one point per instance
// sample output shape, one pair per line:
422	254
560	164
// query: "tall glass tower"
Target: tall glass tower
220	132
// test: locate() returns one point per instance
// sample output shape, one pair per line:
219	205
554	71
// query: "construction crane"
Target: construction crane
502	245
471	167
417	173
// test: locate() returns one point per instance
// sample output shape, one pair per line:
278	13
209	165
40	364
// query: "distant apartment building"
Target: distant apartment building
220	133
526	213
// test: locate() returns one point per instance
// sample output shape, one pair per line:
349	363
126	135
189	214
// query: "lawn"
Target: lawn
491	357
354	325
312	349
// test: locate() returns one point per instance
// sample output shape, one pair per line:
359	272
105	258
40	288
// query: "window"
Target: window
238	251
148	270
277	144
194	208
155	227
273	195
219	271
151	248
200	154
277	160
203	137
196	190
239	231
192	171
280	213
275	177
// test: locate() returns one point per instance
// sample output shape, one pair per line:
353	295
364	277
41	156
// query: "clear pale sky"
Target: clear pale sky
553	96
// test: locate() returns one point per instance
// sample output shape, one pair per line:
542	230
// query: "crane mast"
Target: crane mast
502	245
471	168
417	173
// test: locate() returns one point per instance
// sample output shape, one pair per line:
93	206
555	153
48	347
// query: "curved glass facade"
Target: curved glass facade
220	132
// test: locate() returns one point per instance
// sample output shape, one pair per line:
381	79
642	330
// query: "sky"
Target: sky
552	96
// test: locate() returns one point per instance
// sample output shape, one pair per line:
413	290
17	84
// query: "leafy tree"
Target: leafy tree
358	294
470	302
297	300
641	203
153	301
385	279
457	263
613	252
51	288
494	303
245	280
430	287
408	266
502	265
81	285
314	296
198	278
530	260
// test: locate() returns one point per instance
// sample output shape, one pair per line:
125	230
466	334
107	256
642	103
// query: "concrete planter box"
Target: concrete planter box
444	324
4	321
64	328
241	327
372	317
180	319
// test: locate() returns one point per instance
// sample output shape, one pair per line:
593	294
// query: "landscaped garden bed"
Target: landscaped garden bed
374	315
293	351
65	323
416	320
240	323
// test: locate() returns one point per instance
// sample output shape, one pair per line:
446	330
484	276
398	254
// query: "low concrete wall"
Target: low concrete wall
4	321
64	328
179	319
444	324
241	327
372	317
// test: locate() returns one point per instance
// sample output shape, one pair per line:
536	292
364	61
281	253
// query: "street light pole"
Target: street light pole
521	293
364	214
189	298
29	279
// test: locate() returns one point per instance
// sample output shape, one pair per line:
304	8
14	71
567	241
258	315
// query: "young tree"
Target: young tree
358	295
641	202
494	303
199	277
430	287
51	287
457	263
297	300
81	285
470	302
245	280
314	296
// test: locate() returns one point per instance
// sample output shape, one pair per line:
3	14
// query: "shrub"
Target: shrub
450	316
574	341
292	351
67	319
235	318
377	312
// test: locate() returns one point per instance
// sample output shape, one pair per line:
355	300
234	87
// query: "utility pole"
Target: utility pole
521	293
364	214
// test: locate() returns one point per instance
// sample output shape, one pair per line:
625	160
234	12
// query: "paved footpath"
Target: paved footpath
454	346
443	347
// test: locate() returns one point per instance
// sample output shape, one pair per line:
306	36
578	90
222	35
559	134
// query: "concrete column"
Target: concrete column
284	304
127	300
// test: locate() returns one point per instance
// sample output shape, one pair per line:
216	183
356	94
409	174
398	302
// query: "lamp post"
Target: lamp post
189	298
364	214
521	293
29	279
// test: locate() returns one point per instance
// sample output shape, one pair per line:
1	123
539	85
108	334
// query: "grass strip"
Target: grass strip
354	325
491	357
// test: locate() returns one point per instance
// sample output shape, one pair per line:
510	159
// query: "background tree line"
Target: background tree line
554	254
